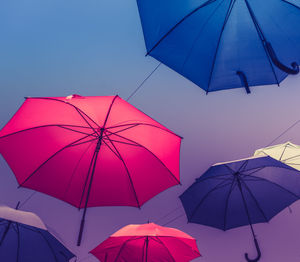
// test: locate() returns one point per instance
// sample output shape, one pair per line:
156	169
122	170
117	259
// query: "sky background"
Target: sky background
92	47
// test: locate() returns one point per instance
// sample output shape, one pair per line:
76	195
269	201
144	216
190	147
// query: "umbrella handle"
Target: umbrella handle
244	81
292	71
258	253
80	232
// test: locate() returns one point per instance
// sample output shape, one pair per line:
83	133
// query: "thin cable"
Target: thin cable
137	89
284	132
173	219
166	215
27	199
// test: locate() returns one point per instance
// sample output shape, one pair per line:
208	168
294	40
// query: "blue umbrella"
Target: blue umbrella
243	192
224	44
24	238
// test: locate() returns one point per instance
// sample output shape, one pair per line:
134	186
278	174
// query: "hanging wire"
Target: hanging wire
141	84
286	130
27	199
172	220
179	216
166	215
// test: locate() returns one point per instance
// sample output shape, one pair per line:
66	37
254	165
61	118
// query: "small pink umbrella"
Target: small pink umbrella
90	151
147	243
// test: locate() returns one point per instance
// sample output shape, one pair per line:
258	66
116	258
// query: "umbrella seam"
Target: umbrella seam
261	37
127	171
232	2
218	186
178	23
49	158
162	243
80	112
151	154
298	197
255	200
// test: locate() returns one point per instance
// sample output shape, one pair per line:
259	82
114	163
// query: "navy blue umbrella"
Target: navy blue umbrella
243	192
24	238
224	44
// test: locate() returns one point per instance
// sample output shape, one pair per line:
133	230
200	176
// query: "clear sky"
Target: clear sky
92	47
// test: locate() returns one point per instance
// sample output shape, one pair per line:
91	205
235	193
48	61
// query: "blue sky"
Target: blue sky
57	48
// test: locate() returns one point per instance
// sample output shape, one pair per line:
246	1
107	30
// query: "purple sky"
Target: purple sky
57	48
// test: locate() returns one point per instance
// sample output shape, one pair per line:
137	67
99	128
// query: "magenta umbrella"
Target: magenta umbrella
147	243
90	151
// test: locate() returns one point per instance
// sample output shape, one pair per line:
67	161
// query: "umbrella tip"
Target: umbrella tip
74	96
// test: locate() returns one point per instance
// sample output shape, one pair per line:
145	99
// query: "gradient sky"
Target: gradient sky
92	47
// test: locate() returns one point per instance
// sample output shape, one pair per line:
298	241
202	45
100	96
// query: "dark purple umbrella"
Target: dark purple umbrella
242	192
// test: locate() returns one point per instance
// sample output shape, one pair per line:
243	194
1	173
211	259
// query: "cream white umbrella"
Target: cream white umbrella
287	153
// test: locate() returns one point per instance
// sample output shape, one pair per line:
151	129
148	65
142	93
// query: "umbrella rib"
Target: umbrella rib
40	233
232	2
289	158
298	7
143	254
111	149
211	177
75	169
163	244
257	169
198	35
49	245
151	154
227	202
18	245
127	171
119	131
144	124
57	152
181	239
283	151
81	143
261	37
218	186
80	112
36	127
76	131
121	142
178	23
124	244
276	185
87	178
254	198
109	109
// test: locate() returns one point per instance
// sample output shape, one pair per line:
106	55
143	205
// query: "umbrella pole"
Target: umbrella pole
7	227
251	226
94	161
147	243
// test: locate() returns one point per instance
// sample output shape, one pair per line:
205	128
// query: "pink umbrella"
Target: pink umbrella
147	243
90	151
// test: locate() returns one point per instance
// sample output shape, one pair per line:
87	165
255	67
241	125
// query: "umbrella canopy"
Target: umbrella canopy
224	44
90	151
242	192
287	153
24	238
147	243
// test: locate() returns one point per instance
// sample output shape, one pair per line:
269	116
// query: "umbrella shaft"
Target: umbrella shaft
93	162
5	232
147	243
246	207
